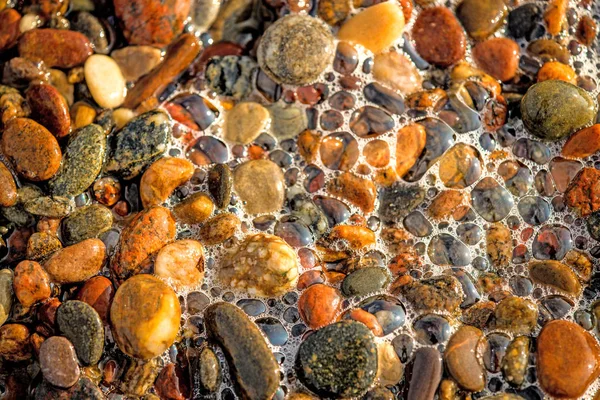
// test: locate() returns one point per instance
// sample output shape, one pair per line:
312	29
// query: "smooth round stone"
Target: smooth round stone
582	143
439	37
460	167
375	28
389	312
445	249
60	48
552	242
396	71
319	305
245	122
431	329
469	233
481	18
6	293
565	368
335	211
145	326
563	171
296	49
417	224
498	57
260	186
516	360
262	264
181	264
339	151
287	120
389	367
553	110
91	27
50	108
517	177
364	281
492	201
346	58
556	307
82	325
253	365
161	179
410	142
494	351
86	223
426	374
220	182
532	150
98	292
498	244
105	81
136	61
369	121
462	361
49	206
58	362
556	275
295	232
76	263
516	315
386	98
273	330
31	283
195	209
219	228
534	210
339	360
15	343
208	370
252	307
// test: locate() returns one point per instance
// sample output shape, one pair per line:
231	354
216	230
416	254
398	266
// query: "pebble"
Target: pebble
460	167
319	305
376	28
426	374
260	186
296	49
14	343
389	368
245	122
445	249
55	47
339	360
49	206
145	326
91	27
81	324
6	294
162	178
82	162
195	209
555	15
181	263
461	358
9	31
49	108
582	143
553	110
498	57
219	229
262	264
139	377
76	263
170	383
439	37
396	71
437	293
231	75
32	150
516	361
565	368
587	29
583	194
397	201
86	223
8	187
287	120
209	375
98	292
220	183
498	245
31	283
136	61
152	22
254	367
481	18
554	70
516	315
491	200
523	20
83	389
58	362
139	143
105	81
339	151
179	56
364	281
333	12
410	142
555	274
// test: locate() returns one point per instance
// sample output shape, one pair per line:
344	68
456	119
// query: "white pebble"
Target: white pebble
105	81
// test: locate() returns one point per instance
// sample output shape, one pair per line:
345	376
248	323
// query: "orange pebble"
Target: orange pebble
366	318
319	305
554	70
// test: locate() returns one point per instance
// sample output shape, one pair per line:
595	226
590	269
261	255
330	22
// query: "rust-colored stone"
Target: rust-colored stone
358	191
555	16
319	305
409	146
98	292
56	47
8	187
162	178
9	28
31	283
583	143
171	383
444	205
498	57
439	37
14	343
557	70
587	29
76	263
583	194
50	109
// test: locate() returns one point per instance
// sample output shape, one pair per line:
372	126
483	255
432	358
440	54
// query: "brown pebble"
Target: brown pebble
9	28
98	293
58	362
195	209
8	187
319	305
31	283
358	191
586	32
556	70
162	178
77	262
462	361
136	61
439	37
56	47
445	204
554	16
583	194
49	108
33	151
14	343
498	57
582	143
409	146
219	228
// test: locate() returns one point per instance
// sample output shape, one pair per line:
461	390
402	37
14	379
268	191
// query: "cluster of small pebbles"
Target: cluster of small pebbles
284	199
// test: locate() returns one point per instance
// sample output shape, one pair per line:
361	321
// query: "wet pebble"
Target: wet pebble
498	57
245	122
49	108
426	374
492	201
91	27
445	249
462	361
364	281
98	292
498	244
582	143
439	37
162	177
105	81
516	360
534	210
356	190
397	201
431	329
522	20
9	31
55	47
181	263
77	262
31	283
86	223
319	305
555	274
8	187
460	167
396	71
410	142
82	325
481	18
583	192
136	61
552	242
516	315
219	228
195	209
369	121
58	362
437	293
6	294
260	185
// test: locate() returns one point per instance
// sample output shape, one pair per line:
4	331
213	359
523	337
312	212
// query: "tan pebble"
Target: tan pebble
30	21
162	178
357	236
409	146
376	27
219	228
105	81
260	186
181	263
82	114
195	209
76	263
245	122
556	70
122	116
396	71
136	61
389	367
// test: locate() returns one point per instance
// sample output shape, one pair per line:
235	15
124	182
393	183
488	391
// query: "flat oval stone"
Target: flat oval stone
296	49
364	281
49	206
254	367
82	325
260	185
31	283
516	360
555	274
86	223
375	28
553	110
516	315
356	190
498	57
582	143
397	72
445	249
145	326
49	108
58	362
55	47
461	358
245	122
139	143
32	150
98	292
460	167
76	263
146	233
136	61
566	367
426	374
438	293
82	162
339	360
491	200
105	81
162	178
439	37
481	18
410	142
8	187
523	20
